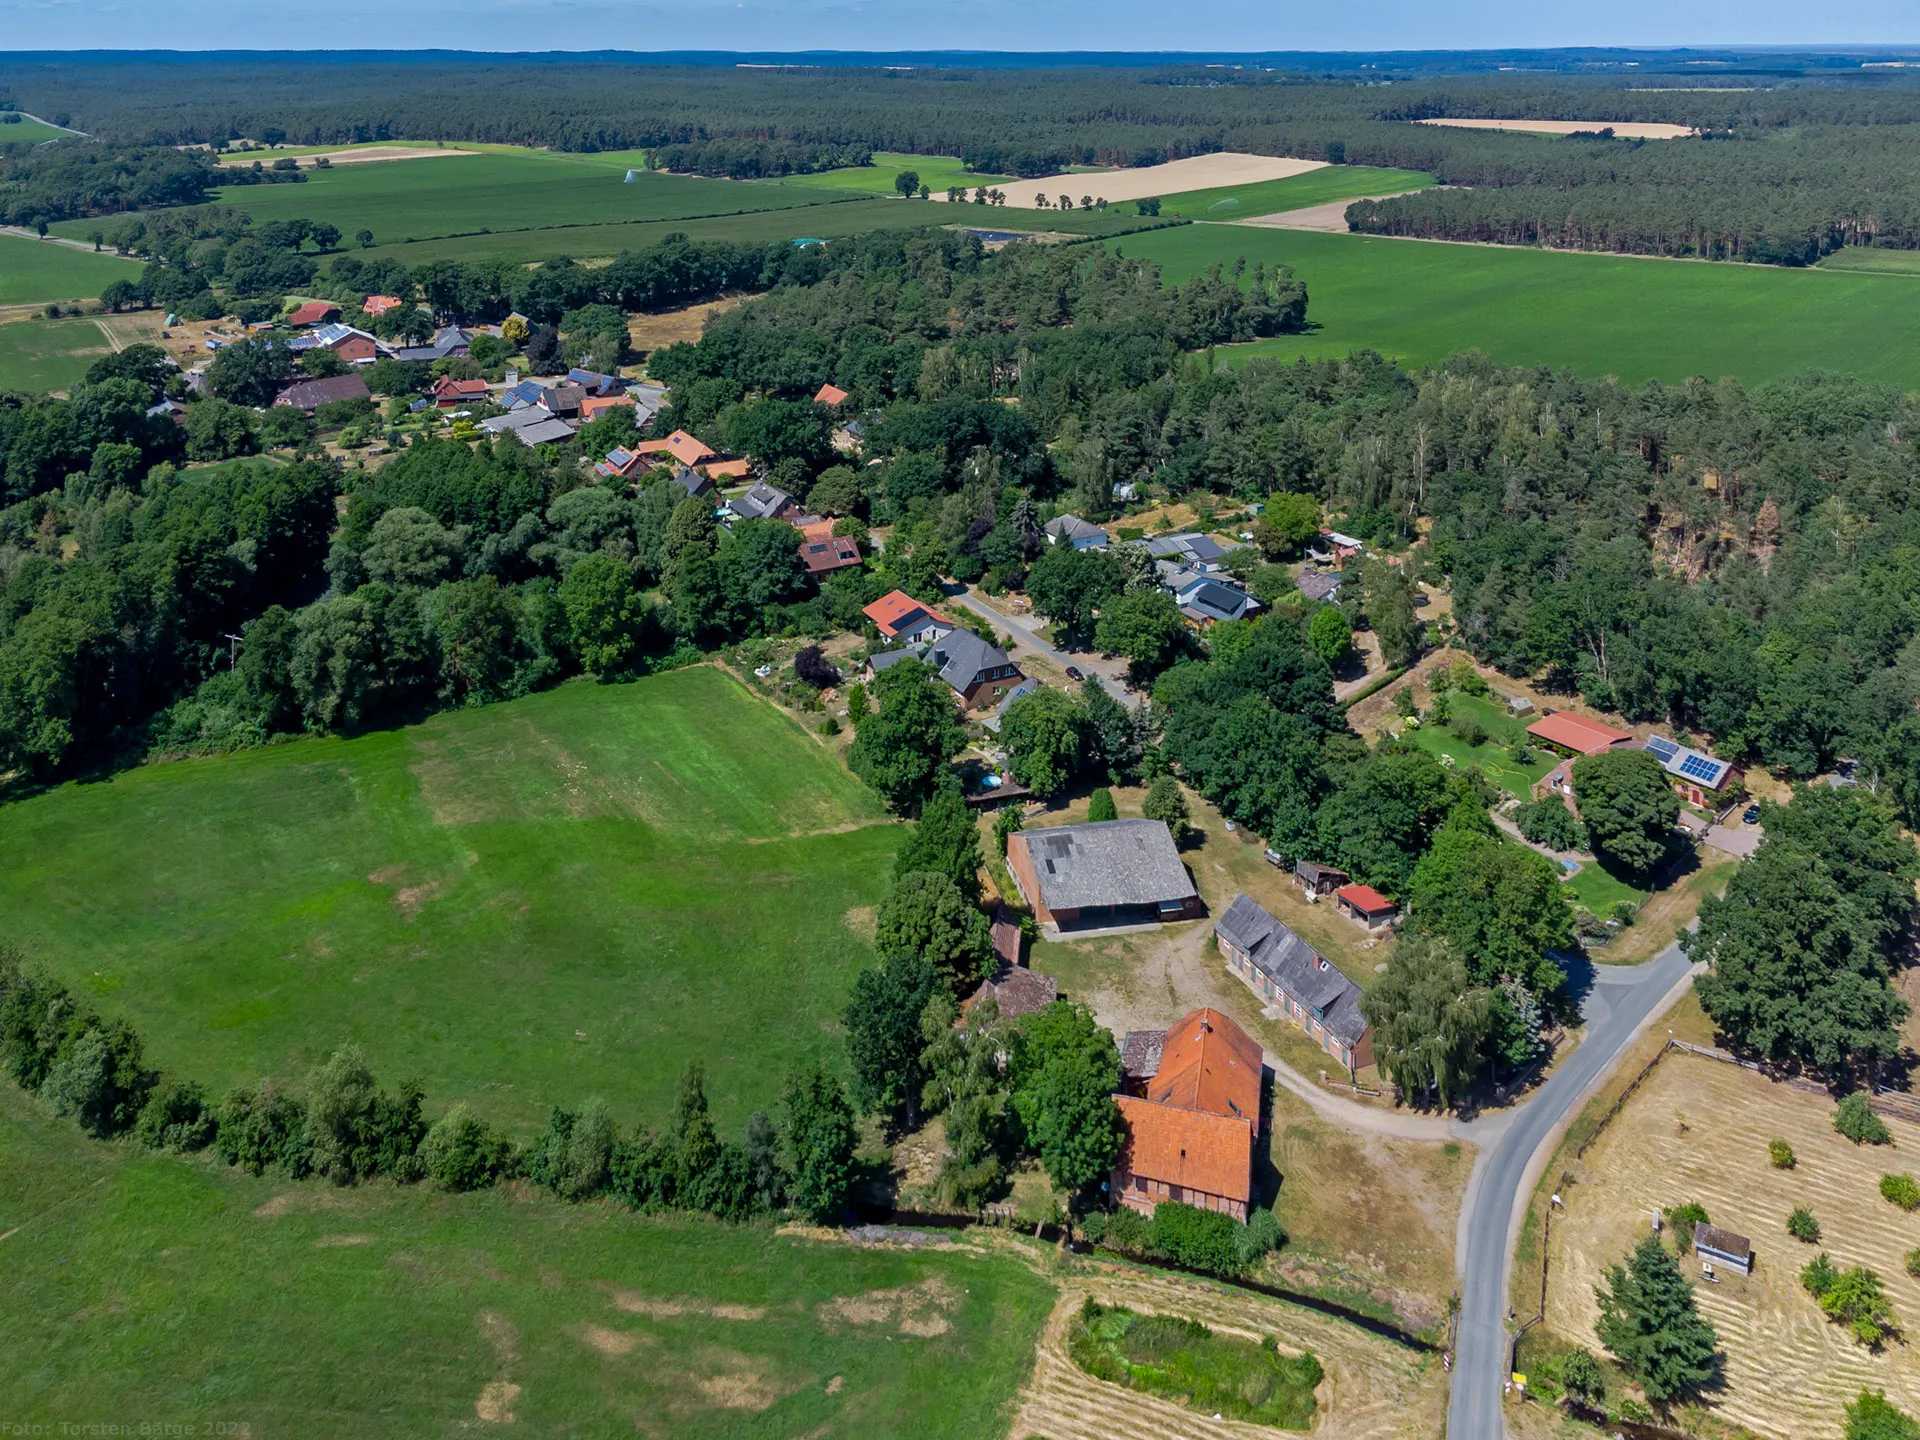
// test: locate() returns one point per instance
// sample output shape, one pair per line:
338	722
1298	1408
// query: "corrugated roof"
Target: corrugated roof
1294	967
1109	862
1366	897
1576	732
1189	1148
1209	1063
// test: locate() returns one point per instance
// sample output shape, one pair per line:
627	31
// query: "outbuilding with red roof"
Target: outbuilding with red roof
314	312
830	395
1577	733
1365	904
898	616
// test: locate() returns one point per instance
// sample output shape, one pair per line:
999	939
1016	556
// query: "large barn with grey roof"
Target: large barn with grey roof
1111	872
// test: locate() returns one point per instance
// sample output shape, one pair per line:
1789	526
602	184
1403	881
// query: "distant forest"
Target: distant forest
1798	164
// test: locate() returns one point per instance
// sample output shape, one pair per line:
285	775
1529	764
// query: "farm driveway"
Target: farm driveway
1028	639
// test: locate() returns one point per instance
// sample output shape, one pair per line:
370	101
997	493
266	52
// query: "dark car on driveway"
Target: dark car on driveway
1073	673
1752	815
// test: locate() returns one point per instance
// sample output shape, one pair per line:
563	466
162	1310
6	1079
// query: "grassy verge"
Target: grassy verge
173	1291
573	894
1639	319
1184	1361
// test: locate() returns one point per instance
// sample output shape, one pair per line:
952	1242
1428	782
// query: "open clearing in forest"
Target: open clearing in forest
1419	301
1176	177
158	1286
1624	129
33	272
936	172
568	895
1698	1130
1374	1389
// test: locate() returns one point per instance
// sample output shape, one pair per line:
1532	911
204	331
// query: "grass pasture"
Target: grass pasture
29	131
40	355
1420	301
178	1292
938	172
1866	260
33	272
569	895
1698	1130
1200	1368
1297	192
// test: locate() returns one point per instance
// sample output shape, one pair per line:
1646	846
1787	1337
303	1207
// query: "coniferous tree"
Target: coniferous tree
1650	1322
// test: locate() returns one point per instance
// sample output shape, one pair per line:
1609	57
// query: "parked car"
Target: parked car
1752	815
1276	859
1073	673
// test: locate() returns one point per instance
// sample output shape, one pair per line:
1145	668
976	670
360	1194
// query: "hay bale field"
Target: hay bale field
1374	1389
1698	1130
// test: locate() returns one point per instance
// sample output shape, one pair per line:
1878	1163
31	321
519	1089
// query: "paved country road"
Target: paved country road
1027	635
1620	1004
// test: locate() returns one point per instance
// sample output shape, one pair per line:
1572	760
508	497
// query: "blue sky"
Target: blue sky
942	24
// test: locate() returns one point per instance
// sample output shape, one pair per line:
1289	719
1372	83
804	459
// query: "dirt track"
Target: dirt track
1176	177
360	155
1625	129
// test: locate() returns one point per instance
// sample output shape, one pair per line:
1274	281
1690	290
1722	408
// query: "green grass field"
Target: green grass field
463	194
39	355
32	132
1271	197
1502	730
32	271
939	172
569	895
178	1292
1865	260
1639	319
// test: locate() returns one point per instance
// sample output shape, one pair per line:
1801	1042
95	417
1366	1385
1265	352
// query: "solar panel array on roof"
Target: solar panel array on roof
1699	767
1662	748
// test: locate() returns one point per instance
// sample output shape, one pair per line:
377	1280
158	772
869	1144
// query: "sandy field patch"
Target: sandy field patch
1698	1130
1624	129
1373	1390
647	333
1176	177
1330	217
358	155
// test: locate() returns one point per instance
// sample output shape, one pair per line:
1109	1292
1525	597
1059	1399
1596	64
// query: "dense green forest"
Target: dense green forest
1789	165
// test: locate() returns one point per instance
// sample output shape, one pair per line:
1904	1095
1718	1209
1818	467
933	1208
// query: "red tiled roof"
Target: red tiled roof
313	312
1575	732
1189	1148
682	446
1209	1063
1365	897
833	553
728	469
894	609
830	395
379	304
592	405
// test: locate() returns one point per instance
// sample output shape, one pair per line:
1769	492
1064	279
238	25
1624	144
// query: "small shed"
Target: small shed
1318	879
1723	1247
1365	904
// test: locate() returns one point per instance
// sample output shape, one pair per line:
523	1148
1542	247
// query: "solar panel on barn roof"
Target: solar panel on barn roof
1662	748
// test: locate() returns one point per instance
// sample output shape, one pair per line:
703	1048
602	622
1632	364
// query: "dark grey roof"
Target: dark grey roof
887	659
562	399
960	655
1308	870
1319	584
1712	1237
544	432
1072	527
1017	990
1195	547
1217	601
760	500
1140	1053
1110	862
692	481
308	394
1294	966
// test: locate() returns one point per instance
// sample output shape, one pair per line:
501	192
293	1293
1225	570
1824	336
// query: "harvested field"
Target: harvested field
1176	177
1625	129
358	155
1698	1130
647	333
1374	1390
1330	217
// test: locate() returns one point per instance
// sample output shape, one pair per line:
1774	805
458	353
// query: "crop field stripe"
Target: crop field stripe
1296	192
1639	319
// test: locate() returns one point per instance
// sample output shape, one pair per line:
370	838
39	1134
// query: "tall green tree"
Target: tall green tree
1874	1417
883	1033
1064	1077
1044	733
1497	904
1070	587
818	1141
927	917
902	749
1627	806
1146	627
946	841
1649	1320
1430	1021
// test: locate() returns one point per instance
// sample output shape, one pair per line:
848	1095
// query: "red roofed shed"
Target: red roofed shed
1365	904
1577	733
314	312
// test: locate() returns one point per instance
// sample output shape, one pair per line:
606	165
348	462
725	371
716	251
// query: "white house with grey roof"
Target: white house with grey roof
1111	872
1294	978
1072	530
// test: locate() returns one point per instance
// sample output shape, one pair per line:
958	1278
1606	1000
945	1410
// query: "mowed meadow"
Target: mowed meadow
34	271
574	894
175	1291
1640	319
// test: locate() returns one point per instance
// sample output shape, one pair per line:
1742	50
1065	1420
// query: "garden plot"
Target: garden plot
1698	1130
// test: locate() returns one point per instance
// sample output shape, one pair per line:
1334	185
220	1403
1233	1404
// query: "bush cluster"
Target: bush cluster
1854	1118
1191	1238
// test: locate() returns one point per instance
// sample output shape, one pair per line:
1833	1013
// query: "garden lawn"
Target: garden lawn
1420	301
33	271
37	355
151	1288
1492	758
1296	192
496	191
938	172
528	904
